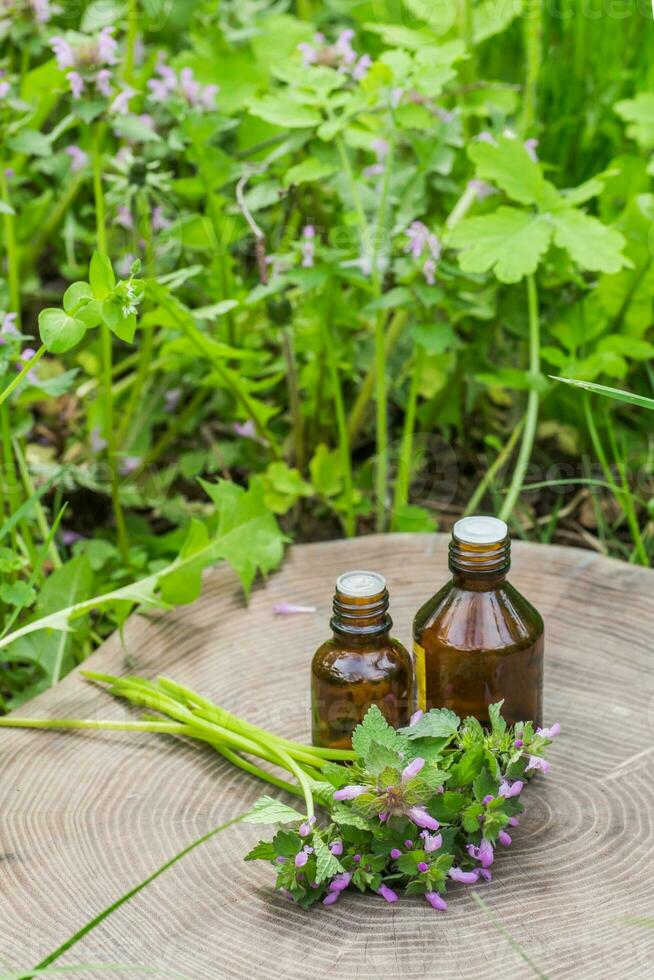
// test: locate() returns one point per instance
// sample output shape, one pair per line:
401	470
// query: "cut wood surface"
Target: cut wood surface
85	817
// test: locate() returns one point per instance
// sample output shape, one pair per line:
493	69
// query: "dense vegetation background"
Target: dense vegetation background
293	270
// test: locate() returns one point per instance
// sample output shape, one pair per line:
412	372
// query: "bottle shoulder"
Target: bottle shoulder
462	619
339	660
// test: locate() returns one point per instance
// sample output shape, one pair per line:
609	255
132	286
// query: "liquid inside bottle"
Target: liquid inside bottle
361	665
478	640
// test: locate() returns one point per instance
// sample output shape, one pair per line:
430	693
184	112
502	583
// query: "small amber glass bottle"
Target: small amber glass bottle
478	640
361	665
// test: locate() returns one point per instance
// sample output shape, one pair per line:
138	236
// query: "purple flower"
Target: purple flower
518	744
343	47
158	219
423	866
531	146
340	882
513	821
387	893
362	67
302	856
5	89
308	246
485	874
62	52
349	792
128	464
290	609
306	828
484	853
309	54
536	763
280	860
384	816
69	537
336	848
481	188
76	83
488	799
396	853
103	82
415	717
41	10
357	859
412	769
330	898
504	838
408	844
78	158
420	817
429	271
106	46
507	789
120	104
436	901
431	842
97	442
549	732
486	137
246	430
124	217
171	399
465	877
27	354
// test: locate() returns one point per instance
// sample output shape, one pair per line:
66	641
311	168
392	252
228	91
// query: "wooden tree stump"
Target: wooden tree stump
85	817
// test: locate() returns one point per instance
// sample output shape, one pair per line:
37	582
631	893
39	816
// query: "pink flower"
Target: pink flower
189	87
536	763
362	67
336	847
246	430
481	188
41	10
330	898
387	893
120	104
62	52
306	828
415	717
549	732
531	146
171	398
349	792
422	867
97	442
5	89
9	324
308	246
103	82
421	818
484	853
412	769
513	821
432	842
106	46
436	901
309	54
396	853
78	158
343	47
465	877
507	789
76	83
290	609
124	217
340	882
302	856
504	838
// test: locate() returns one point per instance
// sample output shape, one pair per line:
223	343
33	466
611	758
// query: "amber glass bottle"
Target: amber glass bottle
361	665
478	640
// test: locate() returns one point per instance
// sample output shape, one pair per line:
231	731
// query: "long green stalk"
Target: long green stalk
533	41
106	350
531	417
341	422
39	511
405	463
24	371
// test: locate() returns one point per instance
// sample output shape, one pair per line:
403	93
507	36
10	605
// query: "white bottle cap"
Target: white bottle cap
480	530
360	585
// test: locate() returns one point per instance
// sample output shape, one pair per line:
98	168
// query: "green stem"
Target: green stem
27	367
41	518
295	401
9	477
106	350
59	210
11	244
341	423
403	479
493	469
132	37
366	391
533	41
531	417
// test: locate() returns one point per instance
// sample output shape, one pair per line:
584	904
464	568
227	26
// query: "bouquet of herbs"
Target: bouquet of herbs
415	808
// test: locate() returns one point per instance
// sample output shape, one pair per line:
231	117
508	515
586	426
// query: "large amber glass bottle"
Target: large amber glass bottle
361	665
478	640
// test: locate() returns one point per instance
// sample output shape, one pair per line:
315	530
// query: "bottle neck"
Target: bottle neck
479	567
360	618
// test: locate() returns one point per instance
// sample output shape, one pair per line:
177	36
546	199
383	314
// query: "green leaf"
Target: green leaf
591	244
308	171
485	785
348	818
374	729
269	810
381	757
184	585
470	818
326	864
447	806
101	276
498	723
31	142
263	851
325	470
283	486
468	768
616	393
133	129
508	165
509	242
280	110
17	594
59	331
638	113
437	723
78	293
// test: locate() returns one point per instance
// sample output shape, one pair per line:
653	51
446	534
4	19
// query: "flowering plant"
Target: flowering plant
418	808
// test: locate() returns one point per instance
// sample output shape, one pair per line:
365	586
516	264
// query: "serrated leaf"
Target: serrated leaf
263	851
508	242
347	818
638	113
280	110
308	171
380	757
337	775
470	817
591	244
498	723
327	865
374	729
485	785
468	767
17	594
437	723
507	164
59	331
269	810
447	806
